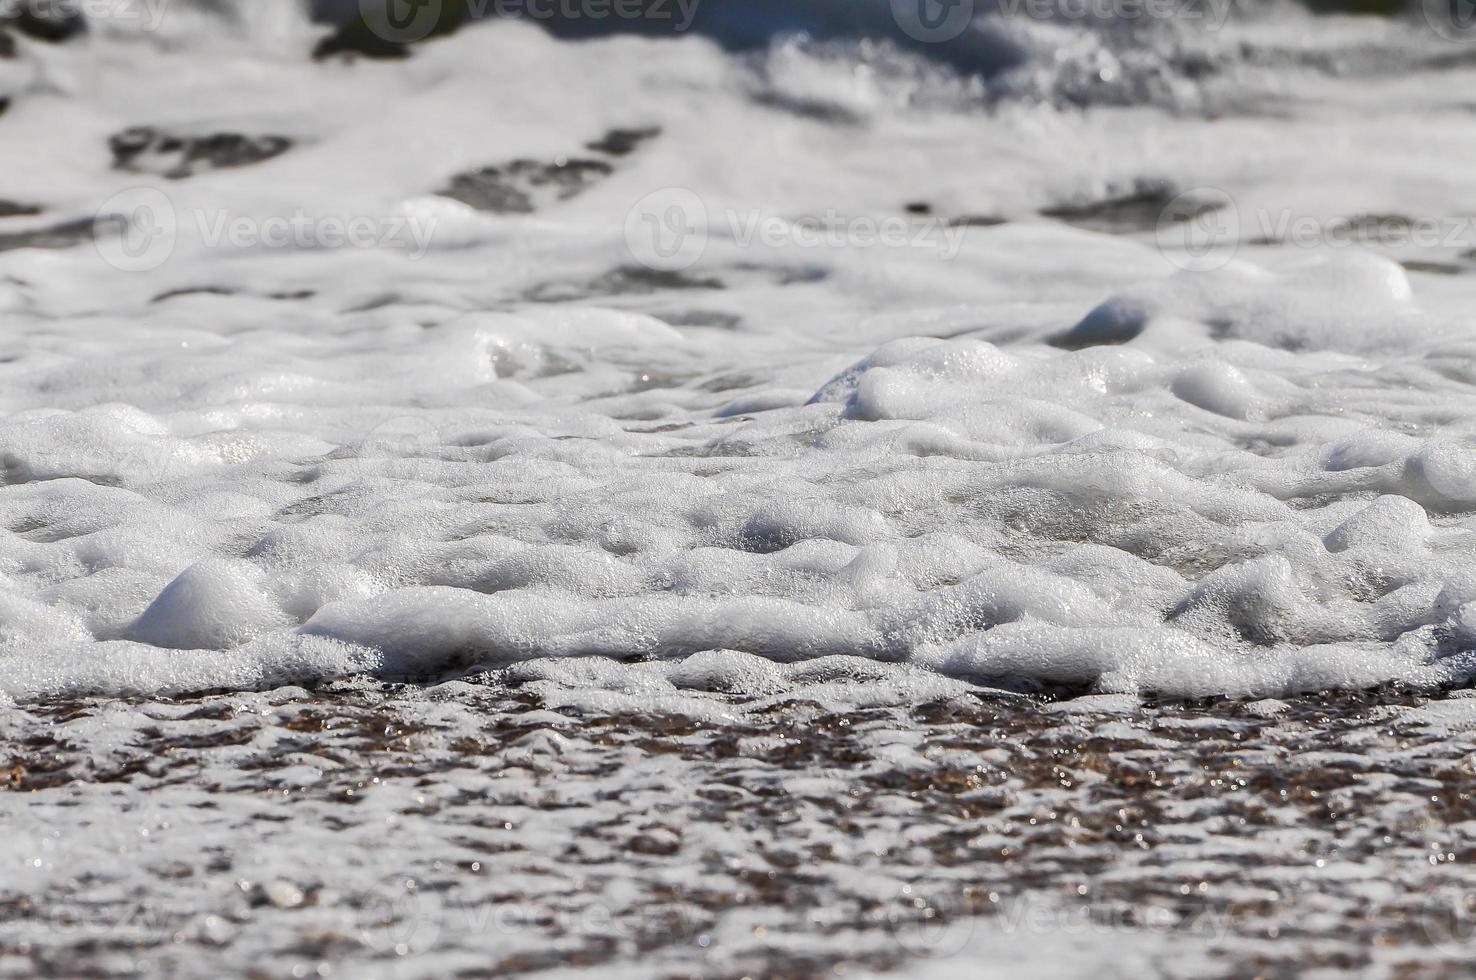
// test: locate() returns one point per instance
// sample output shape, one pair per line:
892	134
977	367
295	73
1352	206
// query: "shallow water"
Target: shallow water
519	824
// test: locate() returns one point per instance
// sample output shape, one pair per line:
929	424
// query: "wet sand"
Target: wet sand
483	827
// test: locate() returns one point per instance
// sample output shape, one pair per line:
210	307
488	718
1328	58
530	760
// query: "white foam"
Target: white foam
1250	480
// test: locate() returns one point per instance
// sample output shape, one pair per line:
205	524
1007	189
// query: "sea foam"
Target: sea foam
1019	448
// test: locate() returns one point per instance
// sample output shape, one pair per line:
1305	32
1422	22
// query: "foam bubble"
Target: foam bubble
1024	447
